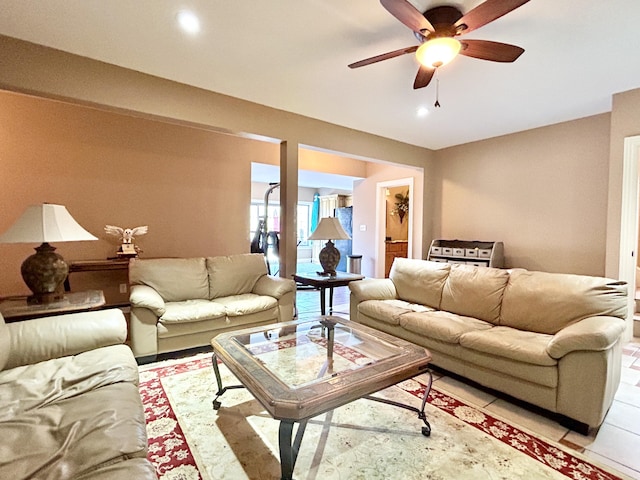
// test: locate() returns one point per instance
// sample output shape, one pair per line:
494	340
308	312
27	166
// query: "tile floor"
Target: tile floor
615	443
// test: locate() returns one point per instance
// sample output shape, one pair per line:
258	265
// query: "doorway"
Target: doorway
629	224
382	188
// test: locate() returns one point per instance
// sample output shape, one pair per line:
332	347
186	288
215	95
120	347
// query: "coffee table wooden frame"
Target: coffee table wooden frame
291	405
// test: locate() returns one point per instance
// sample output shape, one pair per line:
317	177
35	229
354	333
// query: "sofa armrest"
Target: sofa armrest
373	289
144	296
44	338
275	287
592	333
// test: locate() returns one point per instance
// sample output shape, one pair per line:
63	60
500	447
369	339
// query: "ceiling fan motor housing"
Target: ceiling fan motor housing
442	19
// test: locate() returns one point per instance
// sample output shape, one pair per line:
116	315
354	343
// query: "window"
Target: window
304	223
256	212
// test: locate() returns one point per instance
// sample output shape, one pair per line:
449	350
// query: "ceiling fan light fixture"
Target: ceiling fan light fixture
438	51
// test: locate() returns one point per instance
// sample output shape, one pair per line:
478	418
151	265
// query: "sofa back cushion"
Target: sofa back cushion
234	274
547	302
474	292
419	281
5	343
175	279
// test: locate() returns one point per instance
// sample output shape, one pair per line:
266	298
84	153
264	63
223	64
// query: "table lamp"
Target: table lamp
329	229
45	270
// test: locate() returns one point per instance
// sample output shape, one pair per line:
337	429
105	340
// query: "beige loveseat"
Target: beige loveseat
69	401
552	340
180	303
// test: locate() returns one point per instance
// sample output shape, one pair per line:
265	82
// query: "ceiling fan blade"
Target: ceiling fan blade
424	76
383	56
487	12
487	50
408	14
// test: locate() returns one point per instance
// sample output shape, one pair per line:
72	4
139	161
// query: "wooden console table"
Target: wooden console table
95	266
15	309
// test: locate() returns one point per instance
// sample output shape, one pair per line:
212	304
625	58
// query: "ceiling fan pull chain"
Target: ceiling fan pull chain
437	104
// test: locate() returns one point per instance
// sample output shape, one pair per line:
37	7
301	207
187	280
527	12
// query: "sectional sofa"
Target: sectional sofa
181	303
552	340
69	400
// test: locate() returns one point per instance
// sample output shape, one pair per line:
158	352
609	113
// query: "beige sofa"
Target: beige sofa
69	400
552	340
180	303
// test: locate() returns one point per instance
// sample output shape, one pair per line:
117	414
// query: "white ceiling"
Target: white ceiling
293	55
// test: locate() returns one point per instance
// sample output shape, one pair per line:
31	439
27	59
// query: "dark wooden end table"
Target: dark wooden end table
322	282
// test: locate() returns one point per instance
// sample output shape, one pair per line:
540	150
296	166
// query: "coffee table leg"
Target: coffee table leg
216	370
289	447
330	335
426	430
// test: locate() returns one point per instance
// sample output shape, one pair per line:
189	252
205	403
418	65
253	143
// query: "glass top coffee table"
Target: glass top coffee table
300	369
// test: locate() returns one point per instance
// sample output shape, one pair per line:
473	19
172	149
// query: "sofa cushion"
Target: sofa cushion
389	311
526	347
547	302
184	329
419	281
73	435
192	311
511	376
35	385
441	325
245	304
175	279
474	292
45	338
5	343
234	274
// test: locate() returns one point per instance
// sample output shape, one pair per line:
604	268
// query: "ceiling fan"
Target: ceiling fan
437	29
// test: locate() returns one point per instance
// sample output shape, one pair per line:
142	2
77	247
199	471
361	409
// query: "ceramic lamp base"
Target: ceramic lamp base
329	258
44	272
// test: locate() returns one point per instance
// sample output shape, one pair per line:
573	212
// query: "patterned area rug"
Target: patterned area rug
188	440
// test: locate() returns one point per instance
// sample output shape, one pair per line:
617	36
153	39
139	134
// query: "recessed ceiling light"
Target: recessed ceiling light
188	21
422	112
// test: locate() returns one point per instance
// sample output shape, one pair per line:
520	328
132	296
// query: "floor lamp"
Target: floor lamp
45	271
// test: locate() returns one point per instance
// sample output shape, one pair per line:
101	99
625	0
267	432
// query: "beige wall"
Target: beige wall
190	186
317	161
31	68
543	192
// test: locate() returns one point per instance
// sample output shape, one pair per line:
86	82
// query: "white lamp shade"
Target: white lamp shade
45	223
329	228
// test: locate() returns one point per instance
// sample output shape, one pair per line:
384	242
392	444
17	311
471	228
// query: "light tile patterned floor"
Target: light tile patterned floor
615	443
